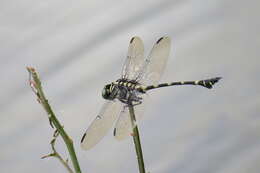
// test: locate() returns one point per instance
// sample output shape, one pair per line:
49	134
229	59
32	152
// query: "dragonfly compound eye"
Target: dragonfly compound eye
106	92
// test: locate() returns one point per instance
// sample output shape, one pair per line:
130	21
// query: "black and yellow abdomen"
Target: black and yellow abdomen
208	83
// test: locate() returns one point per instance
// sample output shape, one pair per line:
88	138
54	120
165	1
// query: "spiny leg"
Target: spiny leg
137	103
131	102
134	101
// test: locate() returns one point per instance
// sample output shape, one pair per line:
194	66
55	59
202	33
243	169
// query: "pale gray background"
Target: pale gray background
78	46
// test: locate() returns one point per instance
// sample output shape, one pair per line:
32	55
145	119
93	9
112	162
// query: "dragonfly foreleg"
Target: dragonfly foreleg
137	103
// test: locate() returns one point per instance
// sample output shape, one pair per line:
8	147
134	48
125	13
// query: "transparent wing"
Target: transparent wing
154	65
134	60
147	72
123	127
101	125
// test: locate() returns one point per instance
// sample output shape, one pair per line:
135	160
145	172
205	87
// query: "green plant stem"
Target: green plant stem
67	140
42	99
137	142
56	154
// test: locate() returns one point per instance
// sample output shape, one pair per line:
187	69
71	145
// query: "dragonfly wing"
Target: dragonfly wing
101	124
124	127
134	60
154	65
147	72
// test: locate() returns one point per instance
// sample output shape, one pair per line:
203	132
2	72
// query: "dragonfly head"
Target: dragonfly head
106	92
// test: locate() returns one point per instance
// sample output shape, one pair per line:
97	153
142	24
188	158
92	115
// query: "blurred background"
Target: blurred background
79	46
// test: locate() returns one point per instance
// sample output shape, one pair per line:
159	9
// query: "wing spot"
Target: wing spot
159	40
114	132
132	39
83	137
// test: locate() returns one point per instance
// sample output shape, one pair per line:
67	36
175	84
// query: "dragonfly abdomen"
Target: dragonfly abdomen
208	83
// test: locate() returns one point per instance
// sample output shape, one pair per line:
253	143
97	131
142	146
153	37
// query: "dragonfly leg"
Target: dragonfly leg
137	102
124	101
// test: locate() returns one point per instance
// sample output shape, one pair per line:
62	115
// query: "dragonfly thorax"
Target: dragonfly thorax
123	90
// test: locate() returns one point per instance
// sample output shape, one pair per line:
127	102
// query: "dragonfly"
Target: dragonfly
139	75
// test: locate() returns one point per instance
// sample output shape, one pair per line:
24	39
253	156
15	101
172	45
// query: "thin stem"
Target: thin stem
137	142
64	163
37	88
56	154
